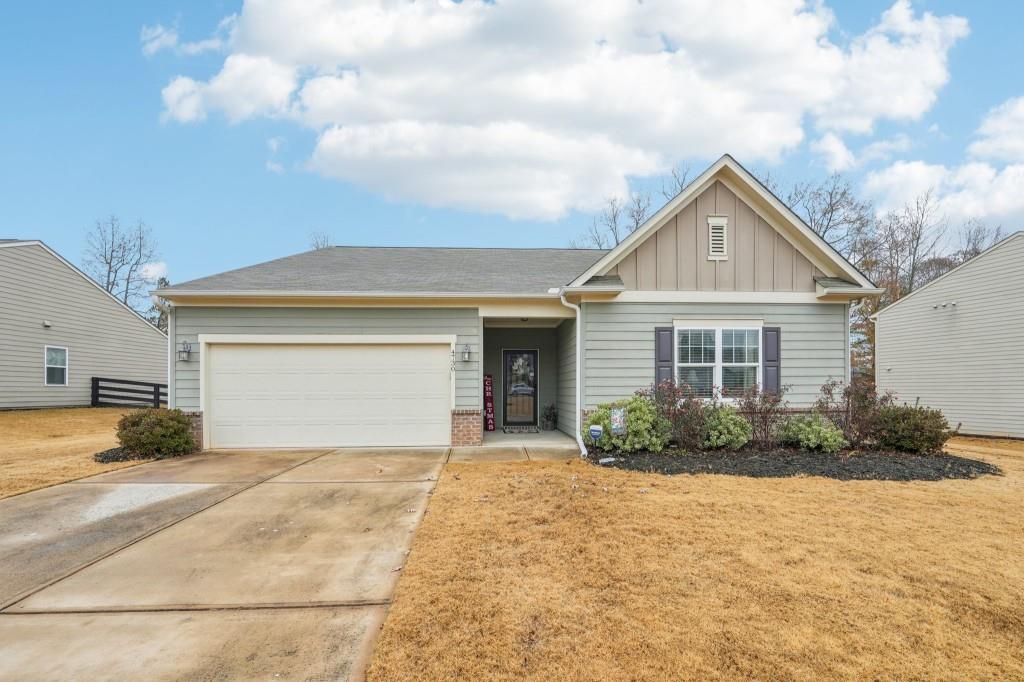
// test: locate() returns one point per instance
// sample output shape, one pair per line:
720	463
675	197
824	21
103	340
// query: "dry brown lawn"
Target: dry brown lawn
43	447
566	571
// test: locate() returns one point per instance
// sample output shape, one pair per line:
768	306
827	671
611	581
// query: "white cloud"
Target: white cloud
970	190
834	152
159	37
274	167
154	271
245	87
838	158
156	38
446	165
485	105
1001	135
893	71
275	143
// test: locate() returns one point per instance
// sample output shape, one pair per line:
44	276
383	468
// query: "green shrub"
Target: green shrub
683	410
905	428
646	431
725	428
156	433
813	432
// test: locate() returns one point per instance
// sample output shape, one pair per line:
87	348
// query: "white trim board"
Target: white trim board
713	297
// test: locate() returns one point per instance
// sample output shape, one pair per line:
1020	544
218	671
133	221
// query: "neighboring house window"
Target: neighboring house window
56	361
718	243
727	358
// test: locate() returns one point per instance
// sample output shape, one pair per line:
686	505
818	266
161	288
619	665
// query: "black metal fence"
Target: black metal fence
124	393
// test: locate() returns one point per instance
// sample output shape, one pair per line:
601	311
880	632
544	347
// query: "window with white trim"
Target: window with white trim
718	232
55	366
727	358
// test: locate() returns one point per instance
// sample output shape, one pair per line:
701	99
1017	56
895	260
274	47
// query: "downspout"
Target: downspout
579	370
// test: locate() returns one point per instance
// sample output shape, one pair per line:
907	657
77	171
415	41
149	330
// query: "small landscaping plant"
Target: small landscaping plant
682	409
646	430
907	428
853	407
813	432
766	412
154	433
725	428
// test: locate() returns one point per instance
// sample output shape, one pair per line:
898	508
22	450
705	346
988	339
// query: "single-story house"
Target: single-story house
59	329
724	286
938	345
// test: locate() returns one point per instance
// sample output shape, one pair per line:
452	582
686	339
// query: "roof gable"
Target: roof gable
16	243
730	174
967	265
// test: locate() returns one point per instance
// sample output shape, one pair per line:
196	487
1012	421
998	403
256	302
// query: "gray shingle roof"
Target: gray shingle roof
414	270
837	282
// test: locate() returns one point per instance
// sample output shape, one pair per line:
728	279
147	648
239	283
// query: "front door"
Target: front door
520	387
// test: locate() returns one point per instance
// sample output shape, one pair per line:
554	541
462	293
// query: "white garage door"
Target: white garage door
328	395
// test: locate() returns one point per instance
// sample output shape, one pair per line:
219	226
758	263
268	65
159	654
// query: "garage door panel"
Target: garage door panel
285	396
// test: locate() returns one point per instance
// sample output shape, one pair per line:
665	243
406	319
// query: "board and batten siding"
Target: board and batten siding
189	322
102	337
966	360
566	398
675	256
618	343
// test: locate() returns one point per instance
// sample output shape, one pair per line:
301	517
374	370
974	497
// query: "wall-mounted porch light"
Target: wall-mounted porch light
465	353
184	349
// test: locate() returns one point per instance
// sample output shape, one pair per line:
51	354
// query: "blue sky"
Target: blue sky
89	127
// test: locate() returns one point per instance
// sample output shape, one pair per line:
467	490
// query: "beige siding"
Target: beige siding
618	343
189	322
966	360
103	338
567	377
674	258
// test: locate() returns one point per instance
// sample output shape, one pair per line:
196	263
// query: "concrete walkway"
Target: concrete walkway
270	565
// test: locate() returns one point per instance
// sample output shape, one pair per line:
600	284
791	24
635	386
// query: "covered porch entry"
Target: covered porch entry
528	369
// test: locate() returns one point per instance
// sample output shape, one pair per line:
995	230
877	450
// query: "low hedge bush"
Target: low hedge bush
156	433
813	432
682	409
646	431
724	427
906	428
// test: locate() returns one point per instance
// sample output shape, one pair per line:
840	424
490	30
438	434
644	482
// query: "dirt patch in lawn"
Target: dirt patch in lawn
860	466
543	571
43	447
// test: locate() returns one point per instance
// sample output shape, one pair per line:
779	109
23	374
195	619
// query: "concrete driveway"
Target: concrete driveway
267	565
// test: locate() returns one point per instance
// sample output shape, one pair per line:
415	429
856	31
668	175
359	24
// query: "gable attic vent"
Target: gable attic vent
718	226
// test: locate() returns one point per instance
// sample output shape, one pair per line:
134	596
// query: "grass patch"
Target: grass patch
44	447
569	571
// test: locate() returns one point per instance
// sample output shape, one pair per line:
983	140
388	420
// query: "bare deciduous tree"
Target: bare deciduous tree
975	237
158	311
616	221
831	209
675	182
117	257
319	240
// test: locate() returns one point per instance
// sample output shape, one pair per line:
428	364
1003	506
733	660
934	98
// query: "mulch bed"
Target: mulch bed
115	455
782	463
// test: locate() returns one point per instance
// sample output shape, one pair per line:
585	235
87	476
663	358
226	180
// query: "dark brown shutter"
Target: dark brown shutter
771	347
662	354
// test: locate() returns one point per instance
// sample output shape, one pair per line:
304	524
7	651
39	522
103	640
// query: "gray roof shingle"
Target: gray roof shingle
415	270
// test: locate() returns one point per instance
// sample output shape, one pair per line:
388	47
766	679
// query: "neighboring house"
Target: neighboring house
390	346
941	345
58	329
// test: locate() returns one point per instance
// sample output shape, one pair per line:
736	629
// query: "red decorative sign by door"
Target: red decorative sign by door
488	402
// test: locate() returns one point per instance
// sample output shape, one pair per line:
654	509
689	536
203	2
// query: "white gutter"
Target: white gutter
172	294
579	369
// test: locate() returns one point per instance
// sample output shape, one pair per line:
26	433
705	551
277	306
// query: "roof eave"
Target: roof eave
173	294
